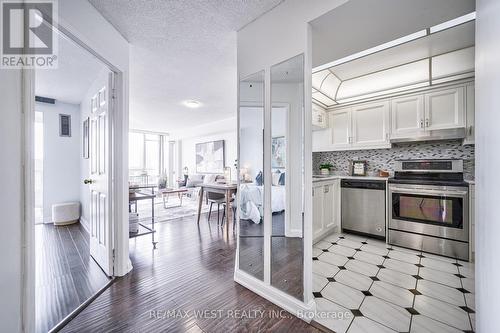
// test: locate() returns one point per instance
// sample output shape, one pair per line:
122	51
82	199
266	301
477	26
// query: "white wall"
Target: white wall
283	33
82	20
219	130
62	155
487	162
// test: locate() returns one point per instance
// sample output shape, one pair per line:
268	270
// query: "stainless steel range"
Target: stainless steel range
430	207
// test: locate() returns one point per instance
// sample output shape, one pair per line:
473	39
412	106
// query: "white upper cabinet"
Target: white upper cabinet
407	114
340	124
444	109
370	125
470	114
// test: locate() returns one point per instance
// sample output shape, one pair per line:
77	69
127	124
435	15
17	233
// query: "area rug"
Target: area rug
173	211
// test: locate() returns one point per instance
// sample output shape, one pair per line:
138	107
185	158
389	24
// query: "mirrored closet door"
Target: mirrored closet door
251	175
287	111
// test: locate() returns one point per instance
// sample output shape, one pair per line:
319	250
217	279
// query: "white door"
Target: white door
317	211
370	125
340	124
101	246
407	116
444	109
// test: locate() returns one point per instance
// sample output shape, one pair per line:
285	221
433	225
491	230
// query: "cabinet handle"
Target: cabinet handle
427	122
421	123
470	130
326	189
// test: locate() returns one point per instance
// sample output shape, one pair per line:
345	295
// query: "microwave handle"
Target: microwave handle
447	193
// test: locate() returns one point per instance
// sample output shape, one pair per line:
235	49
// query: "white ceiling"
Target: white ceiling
181	50
77	70
403	66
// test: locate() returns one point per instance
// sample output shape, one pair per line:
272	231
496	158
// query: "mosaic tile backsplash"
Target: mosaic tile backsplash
383	159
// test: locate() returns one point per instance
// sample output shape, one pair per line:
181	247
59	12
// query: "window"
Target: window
146	157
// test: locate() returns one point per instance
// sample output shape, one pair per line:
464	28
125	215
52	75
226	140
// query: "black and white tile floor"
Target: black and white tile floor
390	289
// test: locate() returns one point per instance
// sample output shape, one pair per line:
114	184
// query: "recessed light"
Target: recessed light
192	104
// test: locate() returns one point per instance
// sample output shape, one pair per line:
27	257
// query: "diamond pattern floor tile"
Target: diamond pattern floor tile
386	313
383	288
365	325
441	292
354	280
397	278
443	312
343	295
440	277
368	257
390	293
423	324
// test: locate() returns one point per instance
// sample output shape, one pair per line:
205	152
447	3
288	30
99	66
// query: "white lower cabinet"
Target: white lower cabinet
326	208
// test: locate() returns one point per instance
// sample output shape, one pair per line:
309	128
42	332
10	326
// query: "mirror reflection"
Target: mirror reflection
287	98
251	161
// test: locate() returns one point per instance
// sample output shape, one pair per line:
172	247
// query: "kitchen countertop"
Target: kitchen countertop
333	177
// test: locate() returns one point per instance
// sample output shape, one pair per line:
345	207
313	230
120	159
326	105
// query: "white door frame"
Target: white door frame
118	148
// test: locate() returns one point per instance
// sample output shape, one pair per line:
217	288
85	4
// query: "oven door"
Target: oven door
440	211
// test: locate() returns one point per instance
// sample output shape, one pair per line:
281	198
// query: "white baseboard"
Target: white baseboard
289	303
85	224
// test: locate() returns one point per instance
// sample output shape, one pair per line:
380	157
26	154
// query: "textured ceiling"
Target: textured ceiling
74	62
181	50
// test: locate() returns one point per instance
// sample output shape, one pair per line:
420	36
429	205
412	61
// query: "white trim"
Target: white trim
28	227
307	220
119	152
453	23
268	179
375	49
276	296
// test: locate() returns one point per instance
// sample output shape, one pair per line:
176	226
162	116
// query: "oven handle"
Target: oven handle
441	193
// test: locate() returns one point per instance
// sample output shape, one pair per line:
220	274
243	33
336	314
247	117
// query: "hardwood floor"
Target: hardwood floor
191	270
66	275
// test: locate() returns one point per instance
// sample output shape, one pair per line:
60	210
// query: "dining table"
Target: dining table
227	189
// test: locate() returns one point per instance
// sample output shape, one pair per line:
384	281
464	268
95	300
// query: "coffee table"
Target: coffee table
167	191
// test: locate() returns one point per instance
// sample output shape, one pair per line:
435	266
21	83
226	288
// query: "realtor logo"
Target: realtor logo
28	38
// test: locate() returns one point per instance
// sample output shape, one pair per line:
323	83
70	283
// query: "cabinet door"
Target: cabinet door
340	124
319	120
317	211
470	114
328	207
322	140
407	116
370	125
444	109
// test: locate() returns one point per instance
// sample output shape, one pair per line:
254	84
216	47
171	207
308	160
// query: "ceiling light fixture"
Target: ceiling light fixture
192	104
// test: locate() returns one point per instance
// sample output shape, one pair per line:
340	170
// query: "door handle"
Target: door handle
88	181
